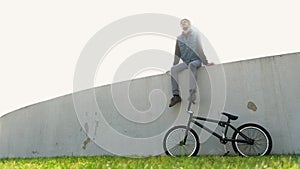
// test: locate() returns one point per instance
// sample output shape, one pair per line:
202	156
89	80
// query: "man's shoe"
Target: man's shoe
175	100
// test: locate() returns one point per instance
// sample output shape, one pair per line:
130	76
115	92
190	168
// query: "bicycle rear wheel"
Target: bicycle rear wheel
174	145
261	146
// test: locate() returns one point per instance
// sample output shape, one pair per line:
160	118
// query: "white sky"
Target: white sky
40	41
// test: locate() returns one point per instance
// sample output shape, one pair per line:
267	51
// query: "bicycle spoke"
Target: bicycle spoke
260	142
174	145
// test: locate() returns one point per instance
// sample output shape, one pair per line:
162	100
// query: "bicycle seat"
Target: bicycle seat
230	116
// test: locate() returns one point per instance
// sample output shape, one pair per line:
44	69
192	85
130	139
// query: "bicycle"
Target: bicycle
249	139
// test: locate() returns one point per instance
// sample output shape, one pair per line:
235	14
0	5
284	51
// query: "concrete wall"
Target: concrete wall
264	91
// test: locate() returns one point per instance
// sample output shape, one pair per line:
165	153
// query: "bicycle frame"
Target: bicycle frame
226	124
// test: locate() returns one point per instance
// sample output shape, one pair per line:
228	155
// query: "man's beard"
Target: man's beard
186	29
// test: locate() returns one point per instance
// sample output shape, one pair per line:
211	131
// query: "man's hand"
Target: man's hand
210	64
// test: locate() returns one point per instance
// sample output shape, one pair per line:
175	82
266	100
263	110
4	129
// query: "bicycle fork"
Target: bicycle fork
187	128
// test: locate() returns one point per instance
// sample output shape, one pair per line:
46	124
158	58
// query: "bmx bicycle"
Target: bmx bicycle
249	139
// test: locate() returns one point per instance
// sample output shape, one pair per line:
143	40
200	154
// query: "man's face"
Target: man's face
185	24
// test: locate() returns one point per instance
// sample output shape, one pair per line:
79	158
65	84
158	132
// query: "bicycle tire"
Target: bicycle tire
262	140
173	138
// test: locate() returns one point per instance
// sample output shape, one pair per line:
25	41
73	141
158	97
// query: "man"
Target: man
189	50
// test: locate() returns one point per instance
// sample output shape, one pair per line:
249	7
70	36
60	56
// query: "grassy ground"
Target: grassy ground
276	162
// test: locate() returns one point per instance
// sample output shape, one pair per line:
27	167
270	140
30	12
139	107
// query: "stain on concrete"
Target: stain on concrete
251	106
85	143
86	127
96	127
35	152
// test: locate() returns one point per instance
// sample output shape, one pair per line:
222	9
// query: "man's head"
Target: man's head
185	24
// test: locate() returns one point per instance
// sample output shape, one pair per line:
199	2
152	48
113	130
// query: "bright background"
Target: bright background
40	41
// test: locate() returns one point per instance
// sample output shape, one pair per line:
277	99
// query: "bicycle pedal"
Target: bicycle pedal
226	153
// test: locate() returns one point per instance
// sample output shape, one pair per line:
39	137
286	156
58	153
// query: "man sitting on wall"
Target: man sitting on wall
189	50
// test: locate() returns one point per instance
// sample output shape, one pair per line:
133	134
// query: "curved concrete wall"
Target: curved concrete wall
264	91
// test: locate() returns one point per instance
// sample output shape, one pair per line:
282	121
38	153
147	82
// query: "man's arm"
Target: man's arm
177	54
201	52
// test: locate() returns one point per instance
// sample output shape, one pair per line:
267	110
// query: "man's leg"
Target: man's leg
174	79
193	66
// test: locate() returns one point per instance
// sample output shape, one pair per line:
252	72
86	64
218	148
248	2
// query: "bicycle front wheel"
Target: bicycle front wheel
175	145
261	145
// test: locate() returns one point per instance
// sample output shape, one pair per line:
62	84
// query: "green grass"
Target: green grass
277	162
